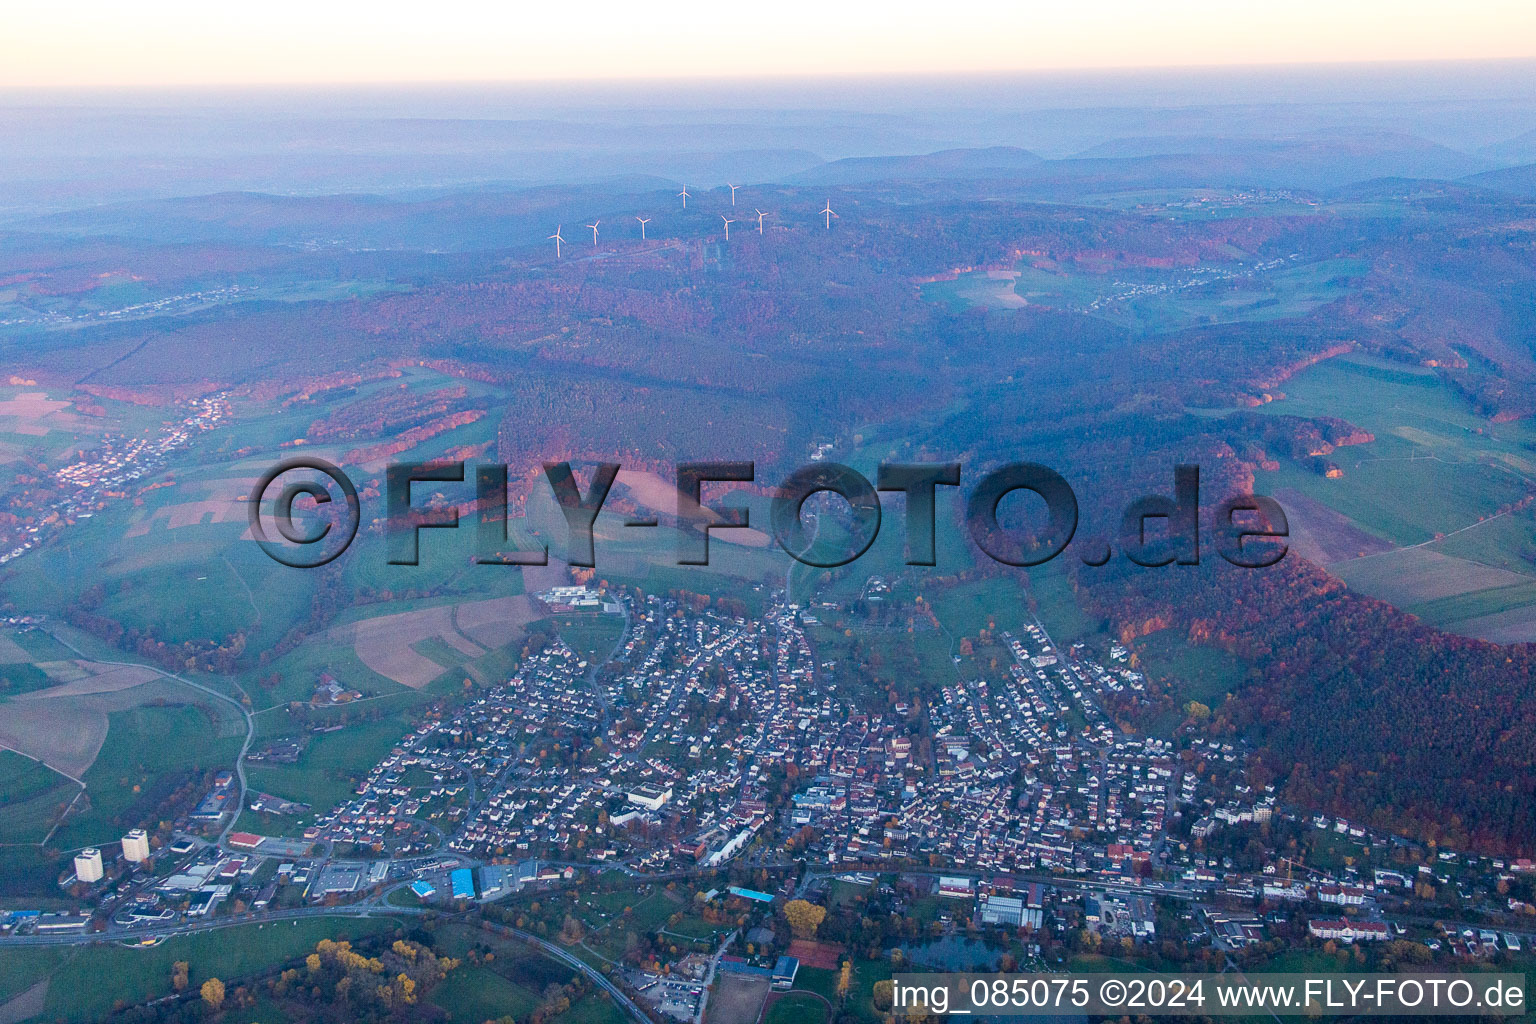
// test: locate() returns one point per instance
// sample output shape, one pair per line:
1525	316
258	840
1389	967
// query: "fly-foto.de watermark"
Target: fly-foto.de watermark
1155	530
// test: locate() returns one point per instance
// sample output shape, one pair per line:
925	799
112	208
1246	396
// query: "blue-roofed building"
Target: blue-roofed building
463	881
784	972
750	894
736	965
423	889
494	880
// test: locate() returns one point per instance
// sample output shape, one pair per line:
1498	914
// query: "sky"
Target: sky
107	43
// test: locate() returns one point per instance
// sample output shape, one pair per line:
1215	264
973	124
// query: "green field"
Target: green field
1149	300
596	1008
332	763
591	635
147	751
860	1004
474	994
85	983
796	1008
33	796
511	981
969	608
22	968
1050	586
1434	480
1435	465
22	678
1193	672
299	671
22	779
172	563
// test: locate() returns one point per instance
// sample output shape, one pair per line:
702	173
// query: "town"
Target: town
43	509
1003	819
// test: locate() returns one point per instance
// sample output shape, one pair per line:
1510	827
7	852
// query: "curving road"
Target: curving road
245	714
581	966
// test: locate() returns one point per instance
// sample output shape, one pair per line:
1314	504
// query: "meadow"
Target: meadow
332	763
1433	487
510	980
86	983
147	751
1154	300
33	796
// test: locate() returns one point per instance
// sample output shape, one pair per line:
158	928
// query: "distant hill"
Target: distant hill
1520	181
1519	150
991	162
447	220
1315	161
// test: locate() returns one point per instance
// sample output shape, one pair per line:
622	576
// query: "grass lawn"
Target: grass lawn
1193	671
844	893
24	967
1429	445
699	929
966	609
147	751
596	1008
33	796
1056	604
473	993
94	978
301	668
1308	961
861	993
796	1008
328	769
820	980
23	678
591	635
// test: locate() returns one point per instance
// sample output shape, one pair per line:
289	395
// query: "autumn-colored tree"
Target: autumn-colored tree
571	931
804	917
213	993
179	975
844	980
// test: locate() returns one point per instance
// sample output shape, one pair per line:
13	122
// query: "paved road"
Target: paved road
245	713
184	928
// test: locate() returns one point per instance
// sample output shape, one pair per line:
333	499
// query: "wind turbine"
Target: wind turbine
733	189
684	194
643	222
728	224
760	216
558	240
593	226
830	214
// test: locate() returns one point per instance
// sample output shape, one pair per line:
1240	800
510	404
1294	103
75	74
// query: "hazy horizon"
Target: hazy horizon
83	147
173	41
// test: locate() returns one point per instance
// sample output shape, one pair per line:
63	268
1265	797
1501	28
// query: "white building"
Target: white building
136	846
1342	895
650	797
88	865
1349	931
